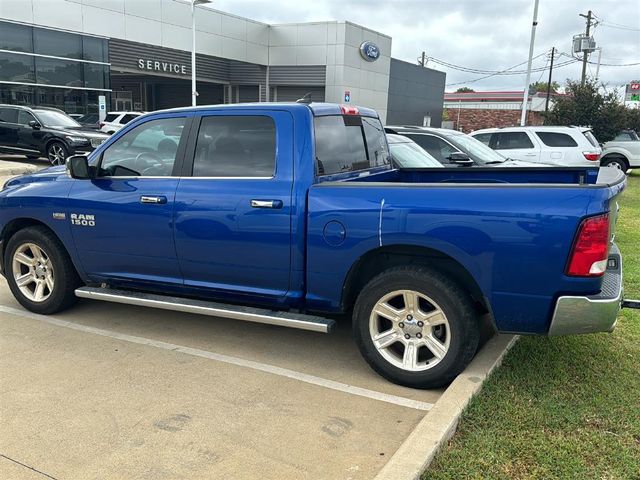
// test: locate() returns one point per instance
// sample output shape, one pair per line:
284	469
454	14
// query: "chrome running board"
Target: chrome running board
236	312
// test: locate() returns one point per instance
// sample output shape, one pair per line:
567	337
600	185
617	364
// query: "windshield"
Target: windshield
51	118
475	148
411	155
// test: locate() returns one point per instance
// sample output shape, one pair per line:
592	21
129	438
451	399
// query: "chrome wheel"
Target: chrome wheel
33	272
56	154
615	164
409	330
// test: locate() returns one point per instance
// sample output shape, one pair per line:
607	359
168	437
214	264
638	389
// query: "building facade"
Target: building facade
65	53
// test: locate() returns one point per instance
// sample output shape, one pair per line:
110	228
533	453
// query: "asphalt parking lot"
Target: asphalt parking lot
121	392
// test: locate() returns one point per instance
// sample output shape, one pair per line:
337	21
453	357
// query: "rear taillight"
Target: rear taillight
349	110
592	156
591	248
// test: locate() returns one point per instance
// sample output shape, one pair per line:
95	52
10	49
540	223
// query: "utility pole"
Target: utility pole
546	103
525	95
585	54
422	61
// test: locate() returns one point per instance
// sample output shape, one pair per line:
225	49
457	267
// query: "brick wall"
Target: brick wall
476	119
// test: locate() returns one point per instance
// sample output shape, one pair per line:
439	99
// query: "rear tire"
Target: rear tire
428	331
39	271
616	162
57	153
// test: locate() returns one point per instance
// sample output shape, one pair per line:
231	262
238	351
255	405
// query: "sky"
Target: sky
487	35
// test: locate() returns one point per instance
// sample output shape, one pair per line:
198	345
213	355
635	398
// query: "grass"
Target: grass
564	407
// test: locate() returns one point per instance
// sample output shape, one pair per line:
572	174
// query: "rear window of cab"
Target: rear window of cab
349	143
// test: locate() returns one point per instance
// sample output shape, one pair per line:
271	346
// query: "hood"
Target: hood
81	132
51	174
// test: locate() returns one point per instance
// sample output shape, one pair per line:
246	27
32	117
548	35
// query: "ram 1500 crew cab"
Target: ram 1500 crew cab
291	214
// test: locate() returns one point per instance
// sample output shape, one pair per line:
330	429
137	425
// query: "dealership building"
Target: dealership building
137	54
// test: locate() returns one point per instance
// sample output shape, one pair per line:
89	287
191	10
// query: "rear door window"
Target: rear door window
235	146
349	143
8	115
111	117
554	139
127	118
483	137
511	141
591	137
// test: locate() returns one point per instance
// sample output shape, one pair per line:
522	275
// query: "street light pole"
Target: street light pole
194	92
525	96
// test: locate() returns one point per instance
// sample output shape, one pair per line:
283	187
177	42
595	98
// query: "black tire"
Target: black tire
33	157
455	303
65	277
616	162
57	153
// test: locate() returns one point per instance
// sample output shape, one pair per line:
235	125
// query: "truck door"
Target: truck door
122	220
233	204
516	145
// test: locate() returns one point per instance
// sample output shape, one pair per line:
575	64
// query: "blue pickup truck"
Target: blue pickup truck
291	214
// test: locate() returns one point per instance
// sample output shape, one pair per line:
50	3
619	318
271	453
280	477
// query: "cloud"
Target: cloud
488	35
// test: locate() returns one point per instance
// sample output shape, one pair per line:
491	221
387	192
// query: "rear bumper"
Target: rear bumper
593	313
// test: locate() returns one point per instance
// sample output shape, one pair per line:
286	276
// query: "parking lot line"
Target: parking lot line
283	372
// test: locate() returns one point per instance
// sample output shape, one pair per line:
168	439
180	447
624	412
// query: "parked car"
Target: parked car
565	146
48	132
623	152
296	208
405	153
114	121
454	149
89	120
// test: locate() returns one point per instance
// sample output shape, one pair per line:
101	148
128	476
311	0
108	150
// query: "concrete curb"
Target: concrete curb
10	171
438	426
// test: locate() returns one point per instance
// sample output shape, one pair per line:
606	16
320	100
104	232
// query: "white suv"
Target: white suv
562	146
623	152
114	121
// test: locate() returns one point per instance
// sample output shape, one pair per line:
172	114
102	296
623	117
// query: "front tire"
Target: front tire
416	327
39	271
57	153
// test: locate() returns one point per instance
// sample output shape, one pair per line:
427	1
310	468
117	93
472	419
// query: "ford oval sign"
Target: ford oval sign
369	51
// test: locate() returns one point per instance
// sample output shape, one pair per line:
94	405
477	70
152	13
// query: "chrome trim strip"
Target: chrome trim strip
54	86
249	314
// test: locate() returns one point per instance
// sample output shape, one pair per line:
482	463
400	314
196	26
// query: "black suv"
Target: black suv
455	149
40	131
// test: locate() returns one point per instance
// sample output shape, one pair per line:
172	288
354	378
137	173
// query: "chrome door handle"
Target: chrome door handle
266	203
152	199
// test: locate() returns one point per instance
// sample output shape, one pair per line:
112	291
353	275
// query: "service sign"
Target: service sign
166	67
369	51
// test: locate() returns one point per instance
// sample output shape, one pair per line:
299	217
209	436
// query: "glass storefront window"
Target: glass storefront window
58	72
95	75
16	68
16	37
94	49
17	95
59	44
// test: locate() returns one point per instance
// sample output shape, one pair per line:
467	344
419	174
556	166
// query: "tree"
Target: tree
465	90
542	87
586	106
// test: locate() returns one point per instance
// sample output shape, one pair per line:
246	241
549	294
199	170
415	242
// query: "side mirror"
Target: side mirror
460	158
35	125
78	167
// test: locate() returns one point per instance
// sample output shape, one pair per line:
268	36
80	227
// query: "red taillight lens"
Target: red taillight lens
589	254
594	157
349	110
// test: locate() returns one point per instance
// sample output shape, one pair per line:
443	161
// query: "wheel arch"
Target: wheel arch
377	260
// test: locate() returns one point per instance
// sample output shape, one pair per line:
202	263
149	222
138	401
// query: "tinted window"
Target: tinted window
552	139
232	146
483	137
16	68
94	49
16	37
8	115
341	147
127	118
591	137
511	140
110	117
436	147
24	117
623	137
58	72
410	155
148	150
95	75
56	43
